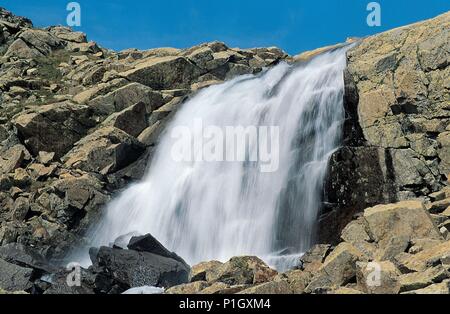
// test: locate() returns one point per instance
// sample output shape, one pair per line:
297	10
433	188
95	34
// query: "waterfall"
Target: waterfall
212	210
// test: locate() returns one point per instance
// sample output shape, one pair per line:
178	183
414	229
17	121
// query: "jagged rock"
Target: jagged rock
408	218
90	283
65	33
314	258
337	270
444	152
150	135
20	49
13	158
203	271
14	277
40	172
5	183
135	269
298	280
85	191
418	245
243	270
415	281
104	151
188	288
22	255
164	73
439	206
132	120
393	247
397	113
147	243
21	208
53	128
440	288
430	257
272	287
355	232
378	277
21	178
222	288
41	40
125	97
45	157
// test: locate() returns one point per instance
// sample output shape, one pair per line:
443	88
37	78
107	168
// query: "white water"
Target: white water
217	210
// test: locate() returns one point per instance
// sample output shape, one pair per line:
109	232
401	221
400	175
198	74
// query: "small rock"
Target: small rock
439	206
313	259
437	196
21	178
188	288
21	208
243	270
204	271
272	287
45	157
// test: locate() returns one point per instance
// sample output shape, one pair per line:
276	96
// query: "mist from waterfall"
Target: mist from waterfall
216	210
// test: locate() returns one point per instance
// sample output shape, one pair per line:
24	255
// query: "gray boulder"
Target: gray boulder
129	269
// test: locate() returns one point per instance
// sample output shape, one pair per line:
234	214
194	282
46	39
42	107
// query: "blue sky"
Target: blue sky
293	25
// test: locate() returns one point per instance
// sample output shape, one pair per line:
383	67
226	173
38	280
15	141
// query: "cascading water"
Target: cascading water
216	210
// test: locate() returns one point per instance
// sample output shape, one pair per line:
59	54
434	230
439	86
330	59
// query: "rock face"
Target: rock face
53	128
397	101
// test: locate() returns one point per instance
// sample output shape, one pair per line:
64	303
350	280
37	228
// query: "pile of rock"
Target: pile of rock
114	270
390	249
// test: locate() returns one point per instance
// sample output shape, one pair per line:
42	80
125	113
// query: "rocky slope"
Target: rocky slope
79	122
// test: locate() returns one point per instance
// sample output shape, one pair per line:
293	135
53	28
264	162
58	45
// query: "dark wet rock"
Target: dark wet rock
129	269
14	277
147	243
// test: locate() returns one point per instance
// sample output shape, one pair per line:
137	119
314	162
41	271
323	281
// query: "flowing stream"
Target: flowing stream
214	210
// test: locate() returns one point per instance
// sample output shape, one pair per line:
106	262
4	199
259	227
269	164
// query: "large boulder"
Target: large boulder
22	255
147	243
408	218
165	73
14	277
53	128
132	120
104	151
129	269
338	269
378	278
124	97
41	40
